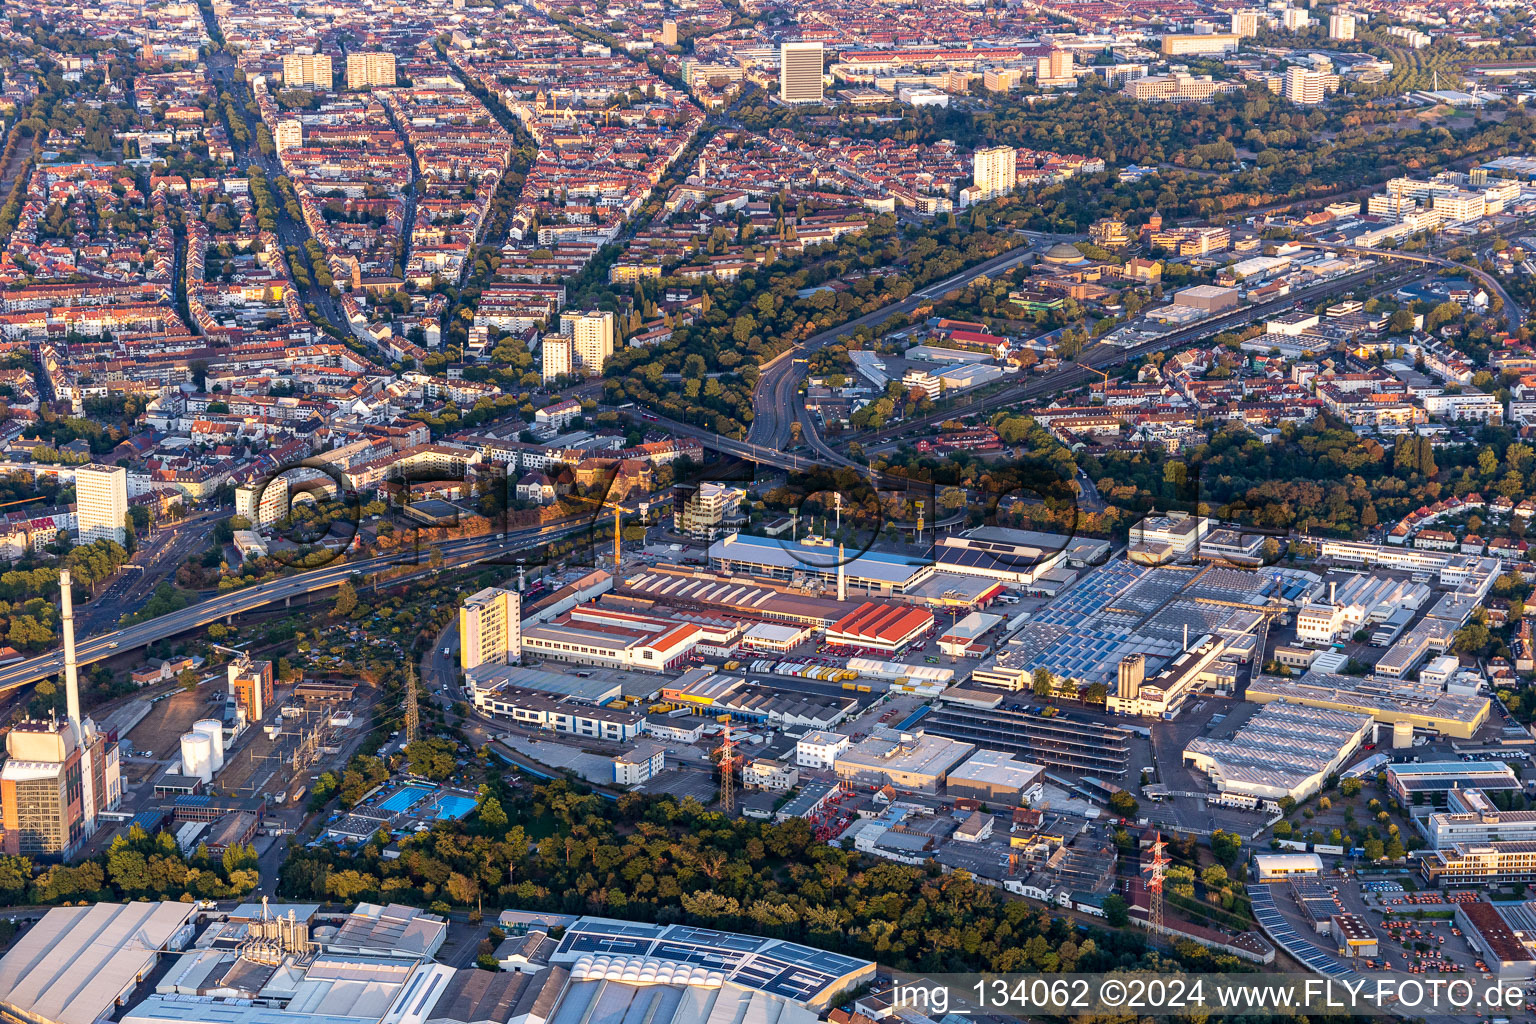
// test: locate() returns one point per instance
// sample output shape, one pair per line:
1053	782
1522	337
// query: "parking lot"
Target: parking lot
1416	931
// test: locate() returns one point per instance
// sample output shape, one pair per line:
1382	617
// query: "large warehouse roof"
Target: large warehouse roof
74	964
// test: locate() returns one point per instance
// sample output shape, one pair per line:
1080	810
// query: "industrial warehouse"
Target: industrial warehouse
1284	750
153	964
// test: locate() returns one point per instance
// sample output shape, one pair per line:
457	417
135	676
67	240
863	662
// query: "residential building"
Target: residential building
366	70
1245	24
289	134
1341	26
800	72
307	71
101	503
1307	86
594	335
264	502
490	628
994	171
556	357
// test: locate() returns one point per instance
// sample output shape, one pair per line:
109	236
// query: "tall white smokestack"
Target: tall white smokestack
1333	588
1186	636
842	575
71	675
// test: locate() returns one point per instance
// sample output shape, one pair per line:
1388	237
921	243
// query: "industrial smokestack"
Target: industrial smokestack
842	575
1333	589
71	675
1186	636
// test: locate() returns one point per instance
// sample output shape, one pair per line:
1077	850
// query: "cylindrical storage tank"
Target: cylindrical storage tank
1402	735
197	756
214	730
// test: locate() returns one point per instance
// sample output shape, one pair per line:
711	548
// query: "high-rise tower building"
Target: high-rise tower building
594	336
365	70
800	70
994	171
490	628
101	503
307	71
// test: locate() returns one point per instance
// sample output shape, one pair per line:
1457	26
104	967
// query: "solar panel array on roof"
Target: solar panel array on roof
768	965
1279	929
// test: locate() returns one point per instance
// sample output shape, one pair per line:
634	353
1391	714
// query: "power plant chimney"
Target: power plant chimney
71	674
1186	636
842	575
1332	590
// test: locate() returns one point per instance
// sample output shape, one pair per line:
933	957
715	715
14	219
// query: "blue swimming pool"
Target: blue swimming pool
404	799
453	807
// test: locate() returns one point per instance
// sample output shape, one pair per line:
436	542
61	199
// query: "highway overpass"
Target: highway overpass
238	602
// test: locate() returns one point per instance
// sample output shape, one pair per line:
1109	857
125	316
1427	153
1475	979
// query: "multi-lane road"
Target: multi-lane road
238	602
776	405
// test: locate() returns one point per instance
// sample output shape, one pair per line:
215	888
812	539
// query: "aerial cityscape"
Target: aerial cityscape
767	511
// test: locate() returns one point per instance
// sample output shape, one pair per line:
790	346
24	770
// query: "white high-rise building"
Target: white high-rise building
307	71
995	171
1303	85
594	336
556	352
101	503
262	504
1341	26
490	628
1296	19
1245	24
370	69
800	71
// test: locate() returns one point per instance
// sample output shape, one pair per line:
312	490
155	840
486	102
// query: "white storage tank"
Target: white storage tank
214	730
197	756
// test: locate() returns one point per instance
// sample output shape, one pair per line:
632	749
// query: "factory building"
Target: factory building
915	763
250	687
873	573
59	775
880	626
997	777
1284	750
1162	695
78	964
1062	740
538	710
1471	818
608	637
1431	782
1388	701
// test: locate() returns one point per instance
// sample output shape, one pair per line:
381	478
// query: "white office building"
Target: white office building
818	751
800	71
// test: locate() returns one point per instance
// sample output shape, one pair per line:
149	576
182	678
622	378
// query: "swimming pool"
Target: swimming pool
453	807
403	799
